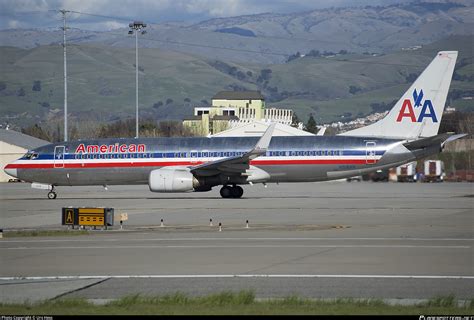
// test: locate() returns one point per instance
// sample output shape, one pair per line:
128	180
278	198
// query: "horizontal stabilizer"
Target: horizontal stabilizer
440	139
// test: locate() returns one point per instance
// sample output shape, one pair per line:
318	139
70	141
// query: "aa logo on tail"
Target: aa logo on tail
407	111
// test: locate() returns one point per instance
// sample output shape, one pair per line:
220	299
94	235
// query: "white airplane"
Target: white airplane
409	132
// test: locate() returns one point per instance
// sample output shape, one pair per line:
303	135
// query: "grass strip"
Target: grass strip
235	303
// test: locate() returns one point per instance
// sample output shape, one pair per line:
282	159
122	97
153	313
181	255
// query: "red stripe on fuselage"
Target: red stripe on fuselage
173	163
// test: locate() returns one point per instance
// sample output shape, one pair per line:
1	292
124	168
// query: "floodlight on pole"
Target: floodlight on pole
136	27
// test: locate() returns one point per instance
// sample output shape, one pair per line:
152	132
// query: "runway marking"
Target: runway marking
183	276
237	239
232	246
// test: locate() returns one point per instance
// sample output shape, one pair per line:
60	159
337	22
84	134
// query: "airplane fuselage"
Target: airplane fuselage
130	161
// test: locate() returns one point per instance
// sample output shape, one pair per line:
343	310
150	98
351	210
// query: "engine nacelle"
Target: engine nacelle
172	179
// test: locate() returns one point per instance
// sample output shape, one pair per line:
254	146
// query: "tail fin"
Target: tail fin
418	113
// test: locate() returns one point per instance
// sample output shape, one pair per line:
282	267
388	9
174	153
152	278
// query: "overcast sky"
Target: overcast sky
39	14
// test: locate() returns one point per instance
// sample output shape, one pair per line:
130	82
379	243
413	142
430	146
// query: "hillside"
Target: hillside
102	82
381	80
271	38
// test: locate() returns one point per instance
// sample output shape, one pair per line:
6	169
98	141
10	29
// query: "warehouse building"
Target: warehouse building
13	145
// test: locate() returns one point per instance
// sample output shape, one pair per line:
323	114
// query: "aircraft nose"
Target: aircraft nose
11	171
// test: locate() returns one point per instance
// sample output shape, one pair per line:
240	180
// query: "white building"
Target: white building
230	109
13	145
257	128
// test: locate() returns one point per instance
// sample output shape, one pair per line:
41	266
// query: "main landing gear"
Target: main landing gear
52	194
232	192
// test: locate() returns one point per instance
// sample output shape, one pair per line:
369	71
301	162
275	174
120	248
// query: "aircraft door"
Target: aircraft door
59	156
370	157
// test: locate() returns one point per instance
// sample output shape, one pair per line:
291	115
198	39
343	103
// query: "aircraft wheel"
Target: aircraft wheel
52	195
237	192
226	192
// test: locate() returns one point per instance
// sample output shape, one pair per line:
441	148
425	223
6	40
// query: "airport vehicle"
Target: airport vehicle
408	132
354	178
433	171
407	172
380	175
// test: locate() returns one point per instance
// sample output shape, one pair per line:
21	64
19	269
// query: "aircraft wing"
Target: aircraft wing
238	164
440	139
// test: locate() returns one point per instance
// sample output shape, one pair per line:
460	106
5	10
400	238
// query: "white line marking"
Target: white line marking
237	239
184	276
233	246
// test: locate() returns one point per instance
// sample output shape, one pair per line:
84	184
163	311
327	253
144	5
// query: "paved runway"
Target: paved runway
324	240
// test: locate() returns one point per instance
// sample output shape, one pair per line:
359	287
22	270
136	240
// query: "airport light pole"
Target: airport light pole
136	27
65	71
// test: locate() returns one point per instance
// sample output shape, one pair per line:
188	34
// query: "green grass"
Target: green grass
229	303
44	233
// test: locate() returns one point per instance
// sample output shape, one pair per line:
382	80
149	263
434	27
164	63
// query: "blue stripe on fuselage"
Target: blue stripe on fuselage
209	154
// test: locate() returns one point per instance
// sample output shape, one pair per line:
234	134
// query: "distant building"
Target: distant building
13	145
258	128
233	108
449	109
412	48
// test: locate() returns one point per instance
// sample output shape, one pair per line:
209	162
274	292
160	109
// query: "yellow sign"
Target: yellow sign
91	210
91	219
88	216
69	216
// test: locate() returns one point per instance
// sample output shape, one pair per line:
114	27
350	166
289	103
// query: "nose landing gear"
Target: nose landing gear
52	194
232	192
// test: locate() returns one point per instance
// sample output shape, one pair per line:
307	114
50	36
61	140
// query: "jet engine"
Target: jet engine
172	179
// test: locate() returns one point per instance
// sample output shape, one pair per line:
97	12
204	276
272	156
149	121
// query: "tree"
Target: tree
294	56
38	132
354	89
57	136
265	75
157	104
295	121
74	134
311	124
411	77
36	85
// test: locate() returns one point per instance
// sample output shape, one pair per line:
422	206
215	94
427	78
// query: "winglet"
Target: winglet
453	137
262	144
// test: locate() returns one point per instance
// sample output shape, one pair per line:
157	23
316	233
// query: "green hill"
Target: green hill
379	79
101	84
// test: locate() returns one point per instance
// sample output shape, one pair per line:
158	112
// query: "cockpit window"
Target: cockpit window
30	155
